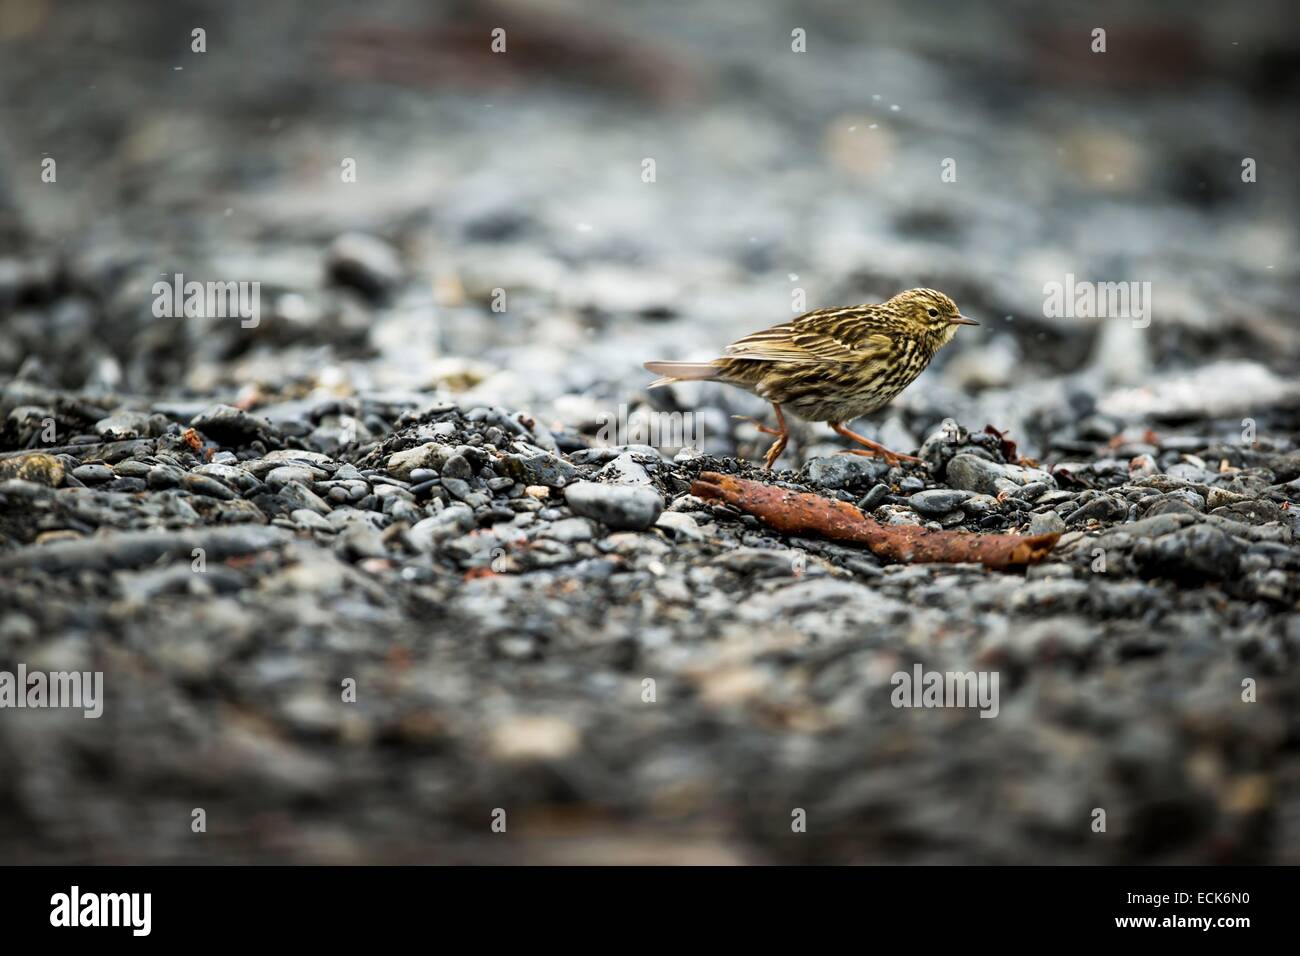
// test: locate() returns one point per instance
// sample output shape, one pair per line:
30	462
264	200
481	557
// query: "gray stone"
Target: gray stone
622	507
229	425
682	526
93	474
141	548
208	487
229	475
123	425
364	263
455	519
430	455
623	470
280	476
541	468
310	519
298	456
165	476
300	496
1100	508
872	499
1049	522
849	472
567	530
1200	552
456	467
763	562
938	501
973	473
1252	512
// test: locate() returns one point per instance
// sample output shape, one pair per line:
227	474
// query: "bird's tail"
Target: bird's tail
681	372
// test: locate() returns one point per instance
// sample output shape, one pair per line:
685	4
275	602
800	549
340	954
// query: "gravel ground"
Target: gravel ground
368	575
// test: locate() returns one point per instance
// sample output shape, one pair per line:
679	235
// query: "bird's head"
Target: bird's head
929	313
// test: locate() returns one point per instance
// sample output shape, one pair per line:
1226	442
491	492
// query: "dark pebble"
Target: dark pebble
873	498
424	488
455	468
126	485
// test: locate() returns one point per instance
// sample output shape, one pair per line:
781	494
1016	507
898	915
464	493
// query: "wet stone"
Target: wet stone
873	498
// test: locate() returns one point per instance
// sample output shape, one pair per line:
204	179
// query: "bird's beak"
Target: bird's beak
962	320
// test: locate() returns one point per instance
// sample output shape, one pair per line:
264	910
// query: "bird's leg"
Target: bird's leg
782	437
876	449
765	429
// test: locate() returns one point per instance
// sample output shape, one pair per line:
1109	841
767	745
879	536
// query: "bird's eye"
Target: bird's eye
934	313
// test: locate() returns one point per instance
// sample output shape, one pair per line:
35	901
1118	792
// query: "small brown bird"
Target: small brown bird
833	365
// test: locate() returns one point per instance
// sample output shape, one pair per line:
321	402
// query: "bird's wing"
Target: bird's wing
814	337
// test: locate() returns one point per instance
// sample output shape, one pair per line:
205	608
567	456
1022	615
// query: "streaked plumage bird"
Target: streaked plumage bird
833	365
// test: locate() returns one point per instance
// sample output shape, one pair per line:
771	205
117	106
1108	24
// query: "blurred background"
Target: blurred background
778	177
631	181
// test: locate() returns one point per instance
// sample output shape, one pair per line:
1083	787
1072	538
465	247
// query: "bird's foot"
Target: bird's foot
774	452
872	449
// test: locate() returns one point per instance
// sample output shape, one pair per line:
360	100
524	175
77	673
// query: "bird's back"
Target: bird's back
830	364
